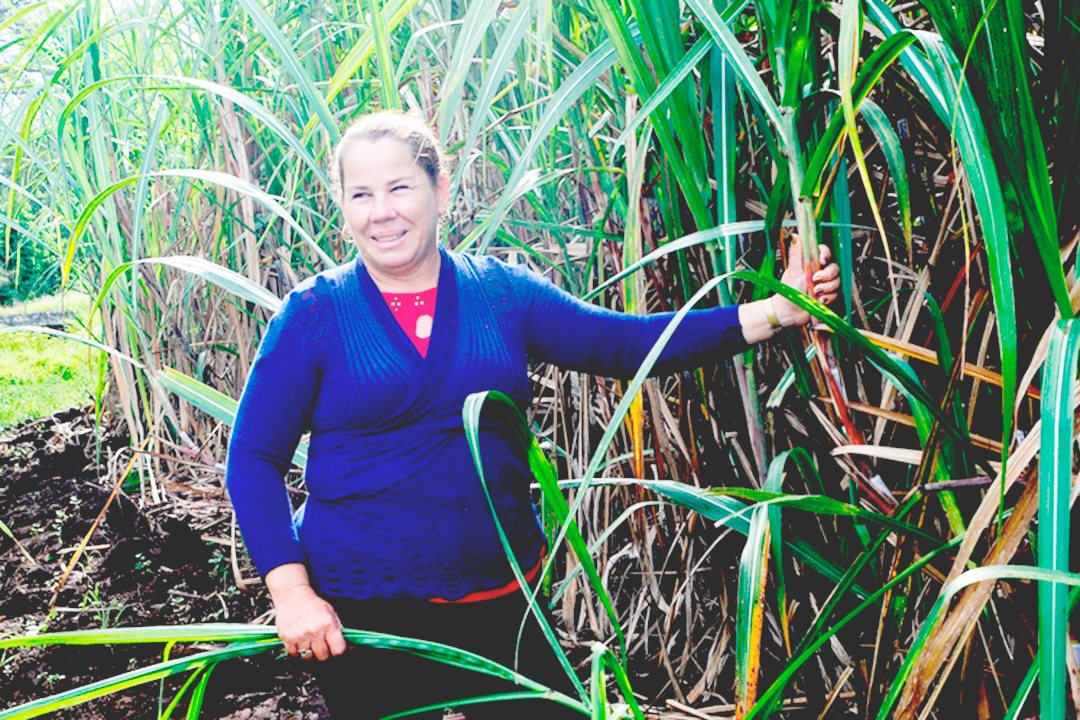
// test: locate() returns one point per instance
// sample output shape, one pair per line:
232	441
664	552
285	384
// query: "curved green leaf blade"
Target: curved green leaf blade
872	69
293	64
745	72
388	91
792	667
250	105
246	640
394	13
1055	485
36	708
879	123
478	18
471	414
581	81
218	178
509	43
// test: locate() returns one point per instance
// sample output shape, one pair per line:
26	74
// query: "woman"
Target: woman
375	358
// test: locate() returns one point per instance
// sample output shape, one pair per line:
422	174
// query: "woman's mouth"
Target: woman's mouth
388	238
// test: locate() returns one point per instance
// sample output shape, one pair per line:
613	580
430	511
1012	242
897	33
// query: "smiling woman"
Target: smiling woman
393	189
376	358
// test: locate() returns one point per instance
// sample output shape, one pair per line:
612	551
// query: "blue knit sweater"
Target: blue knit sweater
395	506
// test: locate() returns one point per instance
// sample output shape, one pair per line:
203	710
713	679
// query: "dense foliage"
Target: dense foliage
175	153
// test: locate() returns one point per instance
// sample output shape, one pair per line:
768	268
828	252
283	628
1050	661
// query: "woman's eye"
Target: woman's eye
360	195
399	187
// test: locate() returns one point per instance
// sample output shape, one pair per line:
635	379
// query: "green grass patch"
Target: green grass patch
41	374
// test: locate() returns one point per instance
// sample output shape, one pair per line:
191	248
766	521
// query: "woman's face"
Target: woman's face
392	210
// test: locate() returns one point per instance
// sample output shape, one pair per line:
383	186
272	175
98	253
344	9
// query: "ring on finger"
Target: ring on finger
305	653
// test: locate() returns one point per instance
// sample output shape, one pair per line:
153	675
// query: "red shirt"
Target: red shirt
415	312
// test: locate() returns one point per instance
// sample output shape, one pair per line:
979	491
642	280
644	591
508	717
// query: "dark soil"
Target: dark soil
148	563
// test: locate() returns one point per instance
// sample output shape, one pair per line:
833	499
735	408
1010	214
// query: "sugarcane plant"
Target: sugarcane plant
650	155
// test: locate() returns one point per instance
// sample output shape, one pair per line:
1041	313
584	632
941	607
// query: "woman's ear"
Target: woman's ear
442	192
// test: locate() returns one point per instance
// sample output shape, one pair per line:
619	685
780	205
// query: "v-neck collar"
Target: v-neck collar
443	334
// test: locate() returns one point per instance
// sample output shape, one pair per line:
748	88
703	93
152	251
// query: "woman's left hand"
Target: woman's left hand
824	283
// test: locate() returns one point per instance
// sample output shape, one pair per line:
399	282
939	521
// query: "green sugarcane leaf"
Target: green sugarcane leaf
643	371
608	660
580	82
197	695
478	18
195	677
857	340
697	238
528	183
669	84
840	211
745	72
799	42
666	121
394	12
924	424
246	640
986	189
665	46
750	598
597	684
823	505
20	190
734	514
256	109
849	42
879	124
214	403
619	414
608	531
774	480
219	275
225	180
77	338
471	415
142	187
1017	705
915	63
1055	485
295	66
940	79
511	39
724	108
36	708
872	69
721	231
991	39
388	91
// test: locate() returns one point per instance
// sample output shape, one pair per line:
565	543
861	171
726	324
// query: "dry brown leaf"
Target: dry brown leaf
955	626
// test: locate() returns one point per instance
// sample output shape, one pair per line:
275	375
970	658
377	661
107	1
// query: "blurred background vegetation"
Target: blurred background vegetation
40	373
168	159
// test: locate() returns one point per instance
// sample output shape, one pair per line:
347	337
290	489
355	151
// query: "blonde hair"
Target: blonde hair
404	127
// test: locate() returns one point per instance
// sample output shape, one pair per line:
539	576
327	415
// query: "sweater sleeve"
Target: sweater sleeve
274	411
577	335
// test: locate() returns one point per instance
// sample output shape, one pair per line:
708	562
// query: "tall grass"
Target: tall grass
172	156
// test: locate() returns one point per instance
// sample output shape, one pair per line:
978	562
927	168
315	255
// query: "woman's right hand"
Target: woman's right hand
306	624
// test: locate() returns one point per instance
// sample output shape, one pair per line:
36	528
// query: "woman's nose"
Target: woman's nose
383	207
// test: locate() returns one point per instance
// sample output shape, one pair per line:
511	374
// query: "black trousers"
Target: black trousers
372	683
